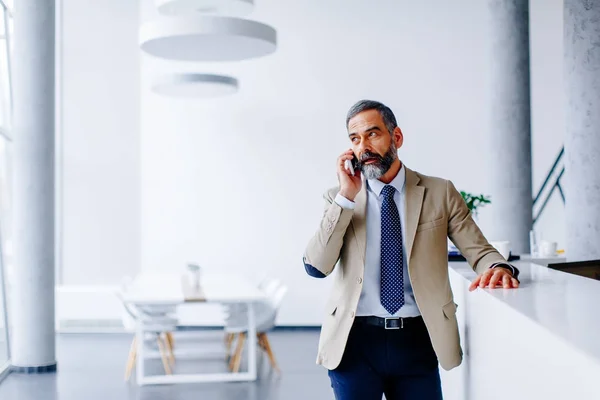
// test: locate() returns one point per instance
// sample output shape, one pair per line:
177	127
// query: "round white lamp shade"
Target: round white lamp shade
224	7
195	85
207	38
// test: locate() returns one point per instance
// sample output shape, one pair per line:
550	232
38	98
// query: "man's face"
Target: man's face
372	143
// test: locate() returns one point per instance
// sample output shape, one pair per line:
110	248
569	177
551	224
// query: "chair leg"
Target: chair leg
237	356
233	356
163	355
131	359
261	342
270	353
169	341
229	338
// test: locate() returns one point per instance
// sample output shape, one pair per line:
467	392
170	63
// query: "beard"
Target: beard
381	165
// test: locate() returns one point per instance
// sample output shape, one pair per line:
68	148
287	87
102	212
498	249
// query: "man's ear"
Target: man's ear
398	137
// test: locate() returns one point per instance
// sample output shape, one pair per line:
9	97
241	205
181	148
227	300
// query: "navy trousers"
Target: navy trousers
398	363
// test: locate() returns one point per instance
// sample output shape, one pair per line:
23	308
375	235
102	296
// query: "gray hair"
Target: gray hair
386	114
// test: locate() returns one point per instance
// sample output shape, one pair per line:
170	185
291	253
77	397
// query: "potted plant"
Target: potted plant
474	202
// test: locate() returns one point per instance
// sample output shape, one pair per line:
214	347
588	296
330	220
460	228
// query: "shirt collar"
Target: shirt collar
376	186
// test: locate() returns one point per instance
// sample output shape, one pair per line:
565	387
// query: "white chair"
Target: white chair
265	314
155	325
267	286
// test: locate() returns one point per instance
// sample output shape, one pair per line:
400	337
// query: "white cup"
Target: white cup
547	249
503	248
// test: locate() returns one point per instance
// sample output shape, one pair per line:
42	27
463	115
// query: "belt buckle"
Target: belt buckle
393	319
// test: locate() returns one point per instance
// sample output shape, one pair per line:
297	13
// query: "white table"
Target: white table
157	289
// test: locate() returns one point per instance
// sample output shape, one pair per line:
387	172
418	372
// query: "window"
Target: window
5	175
4	246
4	223
5	81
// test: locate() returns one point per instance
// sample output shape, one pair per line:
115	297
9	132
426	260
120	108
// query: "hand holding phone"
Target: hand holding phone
349	175
350	165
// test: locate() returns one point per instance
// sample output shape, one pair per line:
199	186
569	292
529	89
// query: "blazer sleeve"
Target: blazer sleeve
323	250
466	235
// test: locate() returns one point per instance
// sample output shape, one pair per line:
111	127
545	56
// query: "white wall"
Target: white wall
99	155
235	183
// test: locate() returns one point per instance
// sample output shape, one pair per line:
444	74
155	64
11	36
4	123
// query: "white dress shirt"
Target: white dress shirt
370	302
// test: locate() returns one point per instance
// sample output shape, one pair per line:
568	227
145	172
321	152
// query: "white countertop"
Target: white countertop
543	260
565	304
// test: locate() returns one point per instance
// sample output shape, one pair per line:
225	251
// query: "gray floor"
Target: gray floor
92	366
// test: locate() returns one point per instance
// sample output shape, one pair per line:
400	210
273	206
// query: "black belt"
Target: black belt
390	322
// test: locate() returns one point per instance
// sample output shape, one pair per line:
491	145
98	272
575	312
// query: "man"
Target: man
390	318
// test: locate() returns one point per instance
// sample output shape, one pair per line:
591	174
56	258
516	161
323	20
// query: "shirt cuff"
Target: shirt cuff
513	270
344	202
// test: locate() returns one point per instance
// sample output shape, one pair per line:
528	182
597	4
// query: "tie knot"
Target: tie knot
388	191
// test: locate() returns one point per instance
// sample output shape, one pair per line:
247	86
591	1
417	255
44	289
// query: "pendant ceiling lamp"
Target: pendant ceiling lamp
224	7
195	85
207	38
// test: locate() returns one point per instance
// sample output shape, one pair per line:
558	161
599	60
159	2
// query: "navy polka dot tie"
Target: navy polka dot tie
392	282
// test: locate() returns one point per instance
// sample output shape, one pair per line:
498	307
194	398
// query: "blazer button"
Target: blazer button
359	280
352	314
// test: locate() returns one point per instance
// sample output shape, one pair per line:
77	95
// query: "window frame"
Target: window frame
3	298
6	138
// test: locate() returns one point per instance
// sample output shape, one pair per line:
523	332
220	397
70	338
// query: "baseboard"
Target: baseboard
192	328
297	328
45	369
276	328
189	328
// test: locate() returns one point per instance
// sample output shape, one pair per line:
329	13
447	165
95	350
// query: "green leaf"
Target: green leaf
475	201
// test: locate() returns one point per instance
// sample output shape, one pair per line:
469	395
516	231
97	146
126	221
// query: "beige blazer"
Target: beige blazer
435	211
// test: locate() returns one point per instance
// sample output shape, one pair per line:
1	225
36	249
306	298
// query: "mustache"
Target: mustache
367	155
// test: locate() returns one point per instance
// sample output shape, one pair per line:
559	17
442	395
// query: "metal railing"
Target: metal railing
551	183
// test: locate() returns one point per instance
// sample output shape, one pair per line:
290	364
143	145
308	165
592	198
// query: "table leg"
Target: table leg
139	368
252	359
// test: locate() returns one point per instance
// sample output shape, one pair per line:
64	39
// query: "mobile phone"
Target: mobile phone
352	165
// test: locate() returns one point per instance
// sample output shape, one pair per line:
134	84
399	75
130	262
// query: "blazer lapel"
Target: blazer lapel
359	219
414	202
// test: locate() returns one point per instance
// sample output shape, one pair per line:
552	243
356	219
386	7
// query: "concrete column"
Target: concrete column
582	139
509	154
32	307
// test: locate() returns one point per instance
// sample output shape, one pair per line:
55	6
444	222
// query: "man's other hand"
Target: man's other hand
495	278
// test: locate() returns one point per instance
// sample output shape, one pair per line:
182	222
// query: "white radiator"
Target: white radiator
88	308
